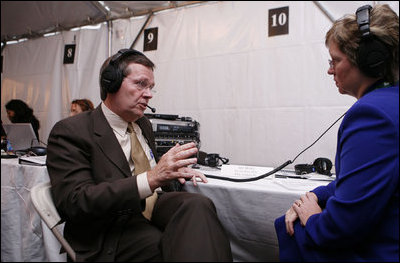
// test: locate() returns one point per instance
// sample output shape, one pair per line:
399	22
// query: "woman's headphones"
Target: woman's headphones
373	54
320	165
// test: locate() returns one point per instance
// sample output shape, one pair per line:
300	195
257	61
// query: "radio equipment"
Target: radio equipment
172	129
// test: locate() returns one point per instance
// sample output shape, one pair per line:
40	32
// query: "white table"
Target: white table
24	236
248	210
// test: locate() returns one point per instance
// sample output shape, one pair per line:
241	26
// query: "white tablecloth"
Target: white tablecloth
24	236
248	211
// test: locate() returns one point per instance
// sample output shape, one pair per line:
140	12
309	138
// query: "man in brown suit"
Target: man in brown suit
101	196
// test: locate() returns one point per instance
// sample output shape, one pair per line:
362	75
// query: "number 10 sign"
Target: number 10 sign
278	21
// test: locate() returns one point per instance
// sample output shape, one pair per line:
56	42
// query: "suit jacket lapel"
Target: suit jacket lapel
107	142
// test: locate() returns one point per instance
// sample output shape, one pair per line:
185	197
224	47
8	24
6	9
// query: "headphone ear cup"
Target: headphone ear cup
372	57
111	79
323	166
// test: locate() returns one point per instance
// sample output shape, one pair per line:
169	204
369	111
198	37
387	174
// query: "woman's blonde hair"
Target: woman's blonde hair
384	25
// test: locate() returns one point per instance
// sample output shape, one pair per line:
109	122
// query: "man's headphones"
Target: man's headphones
111	77
373	54
320	165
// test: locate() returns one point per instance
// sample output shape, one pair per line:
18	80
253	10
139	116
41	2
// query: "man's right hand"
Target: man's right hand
174	165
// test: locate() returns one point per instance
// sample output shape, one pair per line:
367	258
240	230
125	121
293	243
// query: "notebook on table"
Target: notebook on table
20	135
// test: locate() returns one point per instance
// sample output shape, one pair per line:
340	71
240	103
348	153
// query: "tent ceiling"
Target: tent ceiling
30	19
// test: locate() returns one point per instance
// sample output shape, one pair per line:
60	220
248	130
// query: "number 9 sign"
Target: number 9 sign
150	39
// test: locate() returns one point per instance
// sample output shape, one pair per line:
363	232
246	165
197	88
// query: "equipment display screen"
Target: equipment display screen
162	127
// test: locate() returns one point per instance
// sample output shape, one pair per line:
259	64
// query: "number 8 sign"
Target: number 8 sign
69	54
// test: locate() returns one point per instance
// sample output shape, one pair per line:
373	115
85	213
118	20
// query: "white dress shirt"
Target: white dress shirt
120	128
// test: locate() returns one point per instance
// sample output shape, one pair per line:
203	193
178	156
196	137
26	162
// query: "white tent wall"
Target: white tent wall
259	100
33	71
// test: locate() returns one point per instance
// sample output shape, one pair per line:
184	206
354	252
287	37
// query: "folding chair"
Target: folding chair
43	203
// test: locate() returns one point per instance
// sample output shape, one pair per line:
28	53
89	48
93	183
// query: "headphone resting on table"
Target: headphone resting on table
320	165
373	54
112	76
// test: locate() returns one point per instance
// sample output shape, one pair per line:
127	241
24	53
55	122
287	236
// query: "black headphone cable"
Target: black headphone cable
276	169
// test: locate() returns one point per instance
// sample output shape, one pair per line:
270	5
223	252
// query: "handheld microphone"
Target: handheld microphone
153	110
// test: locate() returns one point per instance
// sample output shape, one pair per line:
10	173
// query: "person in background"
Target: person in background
80	105
3	138
356	216
105	191
19	112
3	132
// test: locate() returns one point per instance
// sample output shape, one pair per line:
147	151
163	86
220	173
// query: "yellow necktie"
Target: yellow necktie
142	165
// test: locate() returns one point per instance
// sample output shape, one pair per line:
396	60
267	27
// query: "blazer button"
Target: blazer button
110	251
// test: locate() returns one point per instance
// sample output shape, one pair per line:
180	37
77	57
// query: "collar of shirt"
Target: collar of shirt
116	122
377	85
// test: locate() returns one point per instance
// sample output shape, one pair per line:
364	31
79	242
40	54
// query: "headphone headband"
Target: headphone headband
372	54
362	14
124	52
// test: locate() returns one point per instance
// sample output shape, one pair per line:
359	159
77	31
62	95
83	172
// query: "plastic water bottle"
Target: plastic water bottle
9	147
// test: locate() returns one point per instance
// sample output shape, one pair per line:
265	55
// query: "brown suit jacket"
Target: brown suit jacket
92	186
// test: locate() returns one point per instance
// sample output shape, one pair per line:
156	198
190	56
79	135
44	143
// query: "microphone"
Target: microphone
153	110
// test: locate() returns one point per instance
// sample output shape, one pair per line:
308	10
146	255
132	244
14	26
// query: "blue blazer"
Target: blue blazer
360	217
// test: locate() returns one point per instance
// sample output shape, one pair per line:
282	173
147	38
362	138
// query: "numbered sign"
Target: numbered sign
69	54
278	21
150	39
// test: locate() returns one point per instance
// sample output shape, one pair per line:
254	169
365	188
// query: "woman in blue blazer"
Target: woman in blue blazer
356	216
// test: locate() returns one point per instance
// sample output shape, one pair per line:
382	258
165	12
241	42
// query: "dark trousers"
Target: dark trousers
184	227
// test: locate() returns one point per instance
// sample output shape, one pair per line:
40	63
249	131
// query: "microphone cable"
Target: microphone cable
39	141
276	169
